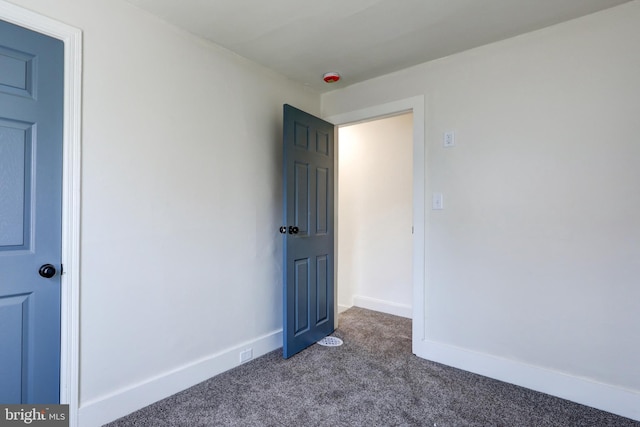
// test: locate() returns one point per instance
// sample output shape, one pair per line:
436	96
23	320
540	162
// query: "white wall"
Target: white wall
181	203
375	211
533	265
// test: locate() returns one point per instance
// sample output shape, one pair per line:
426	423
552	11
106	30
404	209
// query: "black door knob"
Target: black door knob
47	271
293	229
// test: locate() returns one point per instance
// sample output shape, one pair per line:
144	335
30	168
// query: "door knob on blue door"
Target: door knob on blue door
47	271
293	229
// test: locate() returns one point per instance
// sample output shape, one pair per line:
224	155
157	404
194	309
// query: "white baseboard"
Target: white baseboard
606	397
125	401
383	306
342	308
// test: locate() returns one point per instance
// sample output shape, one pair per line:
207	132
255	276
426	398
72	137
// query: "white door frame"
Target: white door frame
415	105
70	281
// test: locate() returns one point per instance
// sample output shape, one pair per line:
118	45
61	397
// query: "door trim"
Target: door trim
417	106
70	280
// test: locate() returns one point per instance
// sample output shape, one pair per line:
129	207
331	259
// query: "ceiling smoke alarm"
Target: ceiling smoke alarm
331	77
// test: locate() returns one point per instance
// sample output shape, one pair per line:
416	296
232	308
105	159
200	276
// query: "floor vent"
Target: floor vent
330	342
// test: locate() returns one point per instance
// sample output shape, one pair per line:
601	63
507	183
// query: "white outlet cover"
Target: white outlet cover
246	355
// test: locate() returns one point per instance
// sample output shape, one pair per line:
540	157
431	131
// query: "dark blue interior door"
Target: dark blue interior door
308	215
31	102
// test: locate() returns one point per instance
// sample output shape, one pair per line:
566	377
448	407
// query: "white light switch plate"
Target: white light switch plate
437	202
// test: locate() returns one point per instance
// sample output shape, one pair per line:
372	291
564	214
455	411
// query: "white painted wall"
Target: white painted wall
375	215
181	203
533	265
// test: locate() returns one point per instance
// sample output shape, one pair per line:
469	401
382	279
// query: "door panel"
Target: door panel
322	203
17	72
322	289
15	190
301	198
301	286
308	254
13	352
31	101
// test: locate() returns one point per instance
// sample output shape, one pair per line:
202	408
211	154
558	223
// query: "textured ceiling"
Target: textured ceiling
360	39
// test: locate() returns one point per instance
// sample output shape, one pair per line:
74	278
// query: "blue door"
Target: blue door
31	102
308	234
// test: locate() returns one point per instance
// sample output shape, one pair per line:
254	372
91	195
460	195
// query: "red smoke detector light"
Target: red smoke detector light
331	77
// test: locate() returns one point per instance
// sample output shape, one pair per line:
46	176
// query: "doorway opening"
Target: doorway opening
374	197
415	105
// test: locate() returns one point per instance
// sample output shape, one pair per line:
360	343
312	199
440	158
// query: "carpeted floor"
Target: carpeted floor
371	380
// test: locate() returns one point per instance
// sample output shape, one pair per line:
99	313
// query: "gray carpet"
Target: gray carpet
371	380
